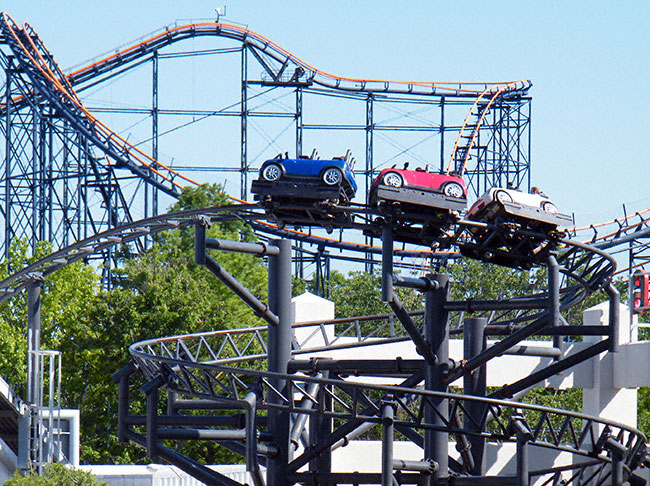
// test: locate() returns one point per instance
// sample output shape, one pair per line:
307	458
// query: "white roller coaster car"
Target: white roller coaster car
533	207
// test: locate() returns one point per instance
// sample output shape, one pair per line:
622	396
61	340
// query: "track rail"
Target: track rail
50	84
301	72
220	365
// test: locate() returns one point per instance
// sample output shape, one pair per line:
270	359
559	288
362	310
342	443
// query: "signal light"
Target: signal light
640	286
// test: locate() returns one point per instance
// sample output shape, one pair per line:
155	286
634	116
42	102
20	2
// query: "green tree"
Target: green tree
160	293
55	475
359	294
472	279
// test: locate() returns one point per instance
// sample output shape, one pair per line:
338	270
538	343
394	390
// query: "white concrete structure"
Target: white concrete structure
160	475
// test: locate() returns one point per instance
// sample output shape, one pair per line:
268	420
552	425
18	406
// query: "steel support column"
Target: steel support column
33	372
475	384
320	428
554	297
388	431
279	345
153	209
8	154
244	120
436	333
369	167
298	121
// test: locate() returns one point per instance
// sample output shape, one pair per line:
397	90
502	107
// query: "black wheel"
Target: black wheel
272	172
549	207
503	197
392	179
332	176
453	189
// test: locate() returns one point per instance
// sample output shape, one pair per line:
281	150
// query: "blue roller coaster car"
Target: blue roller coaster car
307	178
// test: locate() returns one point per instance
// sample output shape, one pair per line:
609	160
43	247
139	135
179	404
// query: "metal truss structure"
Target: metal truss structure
259	395
70	179
66	175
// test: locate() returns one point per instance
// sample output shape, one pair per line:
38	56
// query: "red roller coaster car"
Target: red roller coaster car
419	187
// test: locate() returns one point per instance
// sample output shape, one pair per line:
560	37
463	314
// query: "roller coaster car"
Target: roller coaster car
306	178
418	188
307	191
522	232
534	211
419	205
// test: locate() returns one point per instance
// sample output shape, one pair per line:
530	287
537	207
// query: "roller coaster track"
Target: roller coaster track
299	71
52	85
221	366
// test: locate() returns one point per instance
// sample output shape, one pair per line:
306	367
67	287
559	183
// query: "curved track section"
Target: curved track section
222	367
51	85
289	67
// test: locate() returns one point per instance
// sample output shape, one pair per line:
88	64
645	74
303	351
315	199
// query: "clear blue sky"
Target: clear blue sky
589	62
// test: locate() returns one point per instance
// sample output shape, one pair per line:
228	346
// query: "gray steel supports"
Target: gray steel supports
190	466
522	461
436	333
199	244
299	425
498	348
387	264
33	371
523	435
122	378
557	367
202	258
442	134
614	303
150	390
320	429
33	339
388	295
617	451
369	169
554	296
258	249
388	432
244	294
475	384
279	345
252	464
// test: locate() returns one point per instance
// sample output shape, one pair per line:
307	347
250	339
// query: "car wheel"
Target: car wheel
332	176
503	197
272	172
549	207
453	189
392	179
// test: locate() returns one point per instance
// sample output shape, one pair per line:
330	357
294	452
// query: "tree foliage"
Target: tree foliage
55	475
159	293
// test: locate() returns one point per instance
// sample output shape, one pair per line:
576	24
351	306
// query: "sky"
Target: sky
589	62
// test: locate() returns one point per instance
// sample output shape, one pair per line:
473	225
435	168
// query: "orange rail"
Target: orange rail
69	93
248	36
